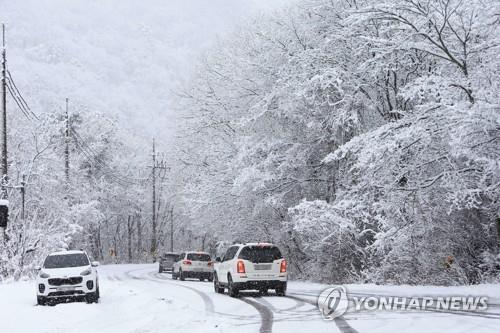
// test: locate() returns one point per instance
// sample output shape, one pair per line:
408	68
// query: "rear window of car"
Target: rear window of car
170	257
66	260
198	257
258	254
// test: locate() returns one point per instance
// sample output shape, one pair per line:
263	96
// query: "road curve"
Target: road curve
270	313
265	313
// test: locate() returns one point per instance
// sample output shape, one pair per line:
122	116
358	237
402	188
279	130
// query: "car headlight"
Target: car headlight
44	275
86	272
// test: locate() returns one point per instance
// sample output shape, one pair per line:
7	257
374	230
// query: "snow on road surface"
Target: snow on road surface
135	298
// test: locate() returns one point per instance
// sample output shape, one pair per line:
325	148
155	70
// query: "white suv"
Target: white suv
192	264
67	275
258	266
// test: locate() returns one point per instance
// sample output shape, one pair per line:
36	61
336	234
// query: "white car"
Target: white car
258	266
67	275
193	264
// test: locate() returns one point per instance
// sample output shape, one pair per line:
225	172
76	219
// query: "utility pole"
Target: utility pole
172	229
157	165
66	140
153	238
4	211
3	118
23	197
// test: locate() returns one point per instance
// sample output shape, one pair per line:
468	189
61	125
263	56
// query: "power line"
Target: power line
102	163
93	158
91	155
92	161
12	94
21	98
18	97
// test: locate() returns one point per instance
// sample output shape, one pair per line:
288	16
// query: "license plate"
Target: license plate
262	267
197	269
65	289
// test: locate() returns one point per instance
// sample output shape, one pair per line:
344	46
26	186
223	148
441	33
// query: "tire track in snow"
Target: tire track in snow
235	316
130	275
264	308
209	304
266	315
266	303
155	277
298	305
341	323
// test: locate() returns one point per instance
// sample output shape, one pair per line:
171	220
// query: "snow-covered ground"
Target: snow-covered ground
135	298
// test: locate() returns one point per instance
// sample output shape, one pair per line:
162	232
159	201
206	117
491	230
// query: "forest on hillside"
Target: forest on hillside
360	135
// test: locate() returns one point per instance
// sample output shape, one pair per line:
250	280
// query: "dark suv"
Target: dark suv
166	262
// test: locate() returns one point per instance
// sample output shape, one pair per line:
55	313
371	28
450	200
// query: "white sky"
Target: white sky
118	56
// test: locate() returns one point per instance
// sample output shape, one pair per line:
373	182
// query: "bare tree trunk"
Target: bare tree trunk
129	237
139	236
98	243
203	239
116	239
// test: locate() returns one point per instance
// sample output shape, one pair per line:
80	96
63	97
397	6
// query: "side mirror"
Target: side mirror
94	263
38	268
217	259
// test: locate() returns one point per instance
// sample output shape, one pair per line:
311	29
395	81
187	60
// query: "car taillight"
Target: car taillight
283	266
187	262
240	267
210	263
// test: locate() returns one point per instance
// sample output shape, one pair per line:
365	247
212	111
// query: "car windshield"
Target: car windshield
198	257
66	260
258	254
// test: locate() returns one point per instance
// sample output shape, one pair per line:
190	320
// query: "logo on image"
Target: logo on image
333	302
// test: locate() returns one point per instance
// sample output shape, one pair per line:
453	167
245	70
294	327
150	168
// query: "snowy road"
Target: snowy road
135	298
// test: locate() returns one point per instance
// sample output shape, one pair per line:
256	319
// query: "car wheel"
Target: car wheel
91	297
40	300
181	275
218	289
201	279
281	291
210	278
98	294
160	270
231	289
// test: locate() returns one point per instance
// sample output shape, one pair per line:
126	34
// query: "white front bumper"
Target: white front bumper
79	289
